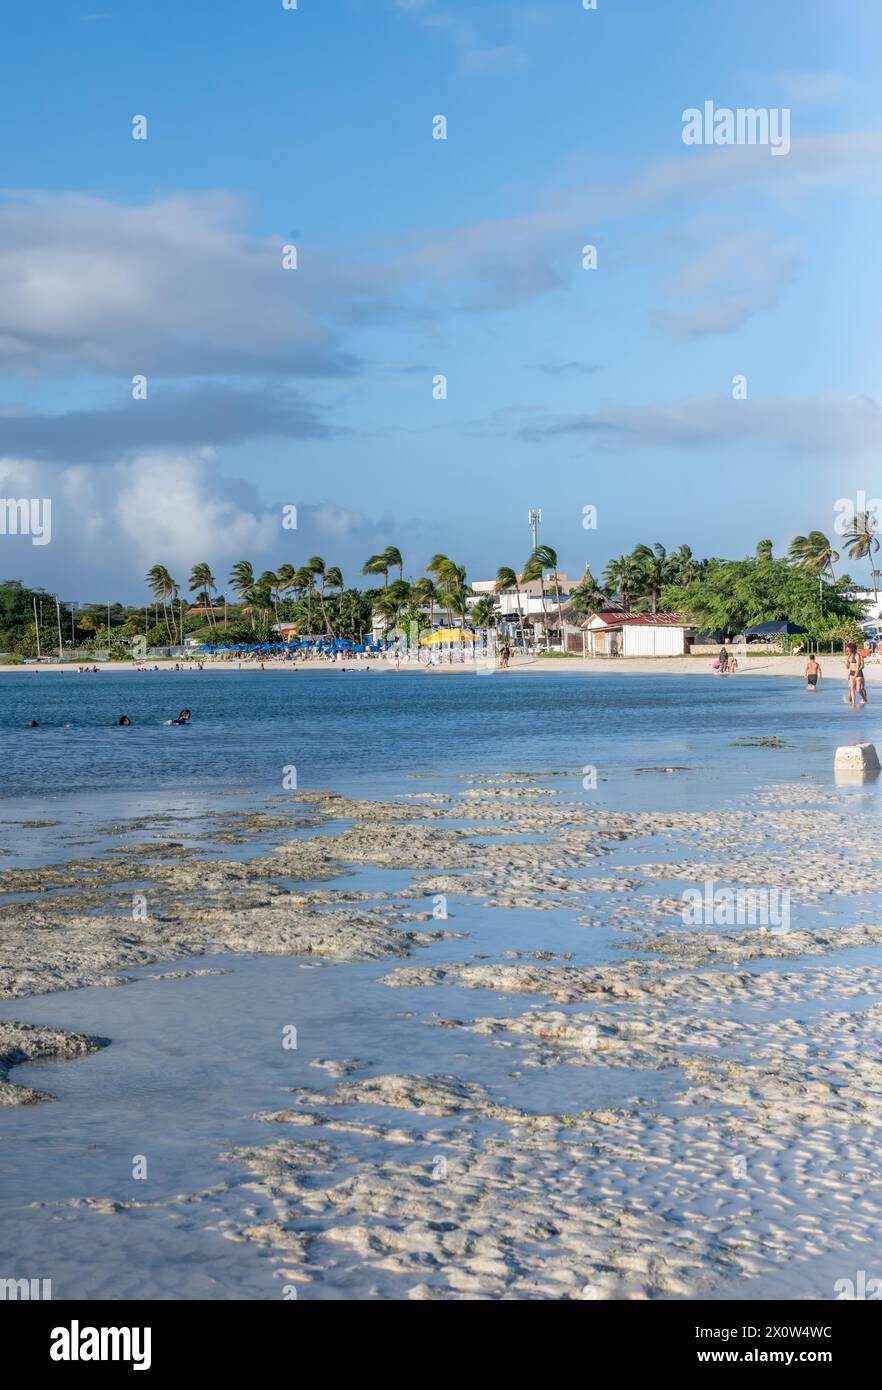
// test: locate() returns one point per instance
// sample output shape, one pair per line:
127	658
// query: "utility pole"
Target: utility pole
534	517
58	616
37	627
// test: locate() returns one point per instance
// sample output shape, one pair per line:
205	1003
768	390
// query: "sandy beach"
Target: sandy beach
791	667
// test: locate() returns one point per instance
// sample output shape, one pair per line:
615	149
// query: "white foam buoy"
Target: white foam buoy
857	757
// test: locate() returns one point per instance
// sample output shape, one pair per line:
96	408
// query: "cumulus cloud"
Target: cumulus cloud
174	507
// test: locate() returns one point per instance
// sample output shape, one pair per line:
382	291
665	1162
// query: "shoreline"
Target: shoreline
772	665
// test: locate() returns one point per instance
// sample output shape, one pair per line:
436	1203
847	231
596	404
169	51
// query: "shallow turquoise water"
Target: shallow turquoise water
366	733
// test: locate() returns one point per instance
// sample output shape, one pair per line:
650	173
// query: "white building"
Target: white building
637	634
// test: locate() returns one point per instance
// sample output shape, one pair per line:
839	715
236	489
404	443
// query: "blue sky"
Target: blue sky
417	257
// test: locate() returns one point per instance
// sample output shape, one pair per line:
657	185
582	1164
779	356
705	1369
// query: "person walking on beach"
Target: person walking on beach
724	660
812	673
854	670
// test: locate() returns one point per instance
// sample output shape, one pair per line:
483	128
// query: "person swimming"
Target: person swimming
32	724
183	718
124	719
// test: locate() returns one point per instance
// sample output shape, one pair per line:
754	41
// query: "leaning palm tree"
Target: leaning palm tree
813	552
620	577
392	556
379	564
684	568
317	569
203	584
533	570
506	579
304	582
242	581
545	558
284	577
400	594
653	570
163	588
861	541
764	550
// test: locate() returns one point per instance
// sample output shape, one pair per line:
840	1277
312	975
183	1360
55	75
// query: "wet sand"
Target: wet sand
580	1097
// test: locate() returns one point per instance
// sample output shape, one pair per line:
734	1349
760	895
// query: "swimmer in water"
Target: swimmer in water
183	718
32	724
124	719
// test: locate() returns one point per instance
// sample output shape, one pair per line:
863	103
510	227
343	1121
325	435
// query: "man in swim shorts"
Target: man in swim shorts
812	673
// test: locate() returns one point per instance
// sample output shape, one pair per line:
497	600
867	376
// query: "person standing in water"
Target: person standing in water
812	673
854	670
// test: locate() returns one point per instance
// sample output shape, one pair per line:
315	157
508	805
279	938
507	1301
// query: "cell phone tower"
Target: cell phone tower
534	517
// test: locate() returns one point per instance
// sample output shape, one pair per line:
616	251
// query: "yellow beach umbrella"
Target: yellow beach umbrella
447	634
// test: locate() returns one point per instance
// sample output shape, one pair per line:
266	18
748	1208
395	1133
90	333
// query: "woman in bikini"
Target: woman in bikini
854	670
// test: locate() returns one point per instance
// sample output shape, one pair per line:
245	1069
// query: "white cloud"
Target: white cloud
834	427
726	281
110	523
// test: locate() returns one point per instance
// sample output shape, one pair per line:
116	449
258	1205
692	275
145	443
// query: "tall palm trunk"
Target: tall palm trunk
544	611
520	613
559	611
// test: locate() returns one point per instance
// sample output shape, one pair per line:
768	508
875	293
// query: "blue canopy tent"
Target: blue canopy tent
774	629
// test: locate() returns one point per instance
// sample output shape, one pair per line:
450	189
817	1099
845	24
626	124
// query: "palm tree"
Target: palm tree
392	556
532	571
813	552
620	577
684	568
203	583
861	541
400	594
163	588
383	562
764	550
483	613
284	578
653	570
457	601
424	592
451	579
546	559
304	582
588	596
506	579
316	567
